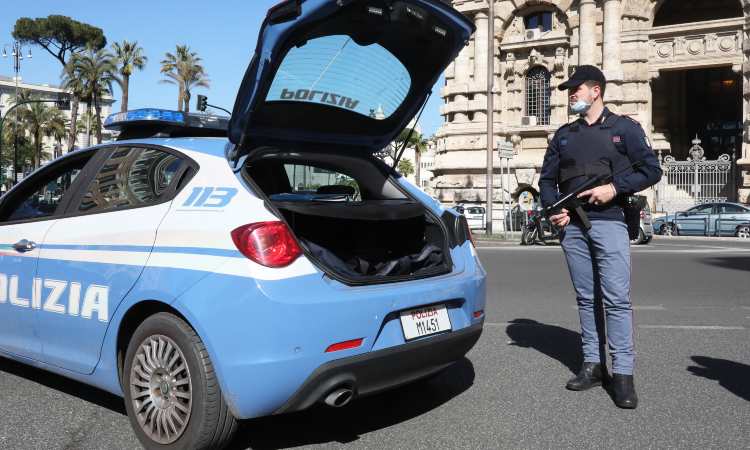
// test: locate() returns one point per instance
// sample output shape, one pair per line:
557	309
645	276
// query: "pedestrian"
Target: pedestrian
598	259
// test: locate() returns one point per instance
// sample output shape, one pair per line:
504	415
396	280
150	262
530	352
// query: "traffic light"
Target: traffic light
202	102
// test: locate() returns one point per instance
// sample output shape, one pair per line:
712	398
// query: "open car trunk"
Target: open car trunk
350	217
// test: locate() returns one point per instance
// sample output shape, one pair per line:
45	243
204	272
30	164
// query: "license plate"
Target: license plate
425	321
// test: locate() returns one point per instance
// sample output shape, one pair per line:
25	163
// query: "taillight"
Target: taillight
643	215
346	345
270	244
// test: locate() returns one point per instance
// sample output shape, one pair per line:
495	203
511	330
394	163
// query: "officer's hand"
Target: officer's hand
600	195
561	220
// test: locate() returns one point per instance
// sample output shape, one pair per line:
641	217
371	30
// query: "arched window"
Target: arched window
541	20
538	95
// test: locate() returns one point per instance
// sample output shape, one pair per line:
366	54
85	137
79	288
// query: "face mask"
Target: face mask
580	107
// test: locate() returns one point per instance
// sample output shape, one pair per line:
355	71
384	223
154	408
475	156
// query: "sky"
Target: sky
223	33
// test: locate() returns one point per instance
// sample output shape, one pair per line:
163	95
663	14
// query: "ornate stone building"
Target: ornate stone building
679	67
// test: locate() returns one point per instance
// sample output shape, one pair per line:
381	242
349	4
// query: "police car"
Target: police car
210	270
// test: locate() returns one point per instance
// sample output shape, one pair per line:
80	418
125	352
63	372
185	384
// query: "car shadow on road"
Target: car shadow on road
65	385
556	342
733	376
730	262
321	424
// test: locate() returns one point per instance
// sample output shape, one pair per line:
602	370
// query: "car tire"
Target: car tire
167	377
641	239
648	239
743	231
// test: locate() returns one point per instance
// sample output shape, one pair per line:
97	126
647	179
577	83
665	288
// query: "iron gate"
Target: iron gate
694	181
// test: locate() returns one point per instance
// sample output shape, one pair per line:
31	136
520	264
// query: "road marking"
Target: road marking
690	327
640	307
635	250
651	247
646	327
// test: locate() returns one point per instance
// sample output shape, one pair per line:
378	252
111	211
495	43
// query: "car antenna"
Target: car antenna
400	153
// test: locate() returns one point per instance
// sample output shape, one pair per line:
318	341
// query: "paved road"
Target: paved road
692	301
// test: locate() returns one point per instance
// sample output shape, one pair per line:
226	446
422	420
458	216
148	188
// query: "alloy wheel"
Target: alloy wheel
161	389
743	232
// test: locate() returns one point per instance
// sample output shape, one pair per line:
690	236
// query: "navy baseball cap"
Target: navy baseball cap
582	75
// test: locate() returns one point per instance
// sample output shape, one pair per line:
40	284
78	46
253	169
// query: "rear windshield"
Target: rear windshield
336	71
321	182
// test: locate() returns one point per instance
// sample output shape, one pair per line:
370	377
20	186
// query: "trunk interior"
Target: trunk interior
350	216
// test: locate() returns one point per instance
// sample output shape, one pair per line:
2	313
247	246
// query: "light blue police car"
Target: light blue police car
210	270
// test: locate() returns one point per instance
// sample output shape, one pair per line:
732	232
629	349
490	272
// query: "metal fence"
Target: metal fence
694	181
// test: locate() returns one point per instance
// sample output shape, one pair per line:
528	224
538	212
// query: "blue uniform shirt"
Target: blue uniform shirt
629	138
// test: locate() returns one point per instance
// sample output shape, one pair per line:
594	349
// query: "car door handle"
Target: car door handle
24	245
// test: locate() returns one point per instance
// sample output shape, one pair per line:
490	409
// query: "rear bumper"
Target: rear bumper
380	370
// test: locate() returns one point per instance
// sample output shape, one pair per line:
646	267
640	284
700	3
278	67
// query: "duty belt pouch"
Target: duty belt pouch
631	206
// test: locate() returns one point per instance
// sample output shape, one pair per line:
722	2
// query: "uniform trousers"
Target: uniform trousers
599	265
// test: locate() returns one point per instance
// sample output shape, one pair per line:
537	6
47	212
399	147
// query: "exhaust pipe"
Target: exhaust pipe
339	397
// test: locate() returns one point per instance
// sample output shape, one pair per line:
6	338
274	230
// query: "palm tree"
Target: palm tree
74	84
129	57
33	119
97	70
169	67
56	129
416	141
405	167
14	133
184	69
88	124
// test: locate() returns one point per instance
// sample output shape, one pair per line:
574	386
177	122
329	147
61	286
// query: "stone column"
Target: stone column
480	48
586	32
611	54
480	61
461	80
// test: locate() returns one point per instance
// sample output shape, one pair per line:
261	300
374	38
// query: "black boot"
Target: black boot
623	391
591	374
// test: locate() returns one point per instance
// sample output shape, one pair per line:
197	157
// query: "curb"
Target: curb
658	237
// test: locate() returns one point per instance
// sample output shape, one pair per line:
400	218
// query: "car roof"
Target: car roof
210	146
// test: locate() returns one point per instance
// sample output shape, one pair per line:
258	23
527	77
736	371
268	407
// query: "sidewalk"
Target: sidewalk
499	240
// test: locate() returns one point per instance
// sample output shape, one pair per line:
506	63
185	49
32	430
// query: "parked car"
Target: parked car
476	217
646	232
182	269
708	219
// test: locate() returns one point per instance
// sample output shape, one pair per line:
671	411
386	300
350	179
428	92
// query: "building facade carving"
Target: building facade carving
648	49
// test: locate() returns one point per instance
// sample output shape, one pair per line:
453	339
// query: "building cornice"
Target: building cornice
10	83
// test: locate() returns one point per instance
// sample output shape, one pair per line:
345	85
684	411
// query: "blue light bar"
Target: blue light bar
145	115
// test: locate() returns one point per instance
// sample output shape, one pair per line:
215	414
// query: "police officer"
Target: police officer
599	259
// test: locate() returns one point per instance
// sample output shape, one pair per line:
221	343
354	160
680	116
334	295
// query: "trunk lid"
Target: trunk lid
350	72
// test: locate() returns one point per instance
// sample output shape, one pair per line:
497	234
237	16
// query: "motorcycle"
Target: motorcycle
538	230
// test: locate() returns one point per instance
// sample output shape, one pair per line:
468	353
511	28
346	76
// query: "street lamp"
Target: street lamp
17	55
